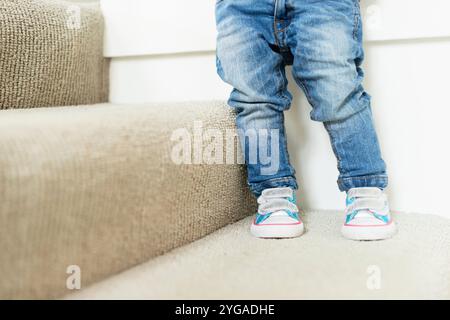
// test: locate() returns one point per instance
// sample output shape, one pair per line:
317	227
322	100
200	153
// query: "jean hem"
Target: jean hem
257	187
378	181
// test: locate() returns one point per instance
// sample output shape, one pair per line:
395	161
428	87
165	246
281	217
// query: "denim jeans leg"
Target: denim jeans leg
326	40
246	59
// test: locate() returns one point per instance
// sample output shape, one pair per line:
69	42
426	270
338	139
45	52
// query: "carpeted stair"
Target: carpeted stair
231	264
51	54
96	186
93	185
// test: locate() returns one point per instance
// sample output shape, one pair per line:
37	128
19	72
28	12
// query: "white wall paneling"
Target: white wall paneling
142	27
174	77
164	51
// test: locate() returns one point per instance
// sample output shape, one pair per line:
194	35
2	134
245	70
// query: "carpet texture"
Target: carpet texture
95	186
51	54
231	264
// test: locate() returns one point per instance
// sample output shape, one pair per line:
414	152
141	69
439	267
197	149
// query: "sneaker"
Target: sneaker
367	215
278	215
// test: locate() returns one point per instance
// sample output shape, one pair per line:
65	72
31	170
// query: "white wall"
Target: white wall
164	51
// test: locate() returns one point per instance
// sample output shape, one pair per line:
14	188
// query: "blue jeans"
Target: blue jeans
322	40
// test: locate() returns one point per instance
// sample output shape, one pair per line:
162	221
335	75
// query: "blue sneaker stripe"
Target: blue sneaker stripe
382	217
293	215
352	215
262	217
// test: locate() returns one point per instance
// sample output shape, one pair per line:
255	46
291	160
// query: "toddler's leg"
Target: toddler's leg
326	40
246	59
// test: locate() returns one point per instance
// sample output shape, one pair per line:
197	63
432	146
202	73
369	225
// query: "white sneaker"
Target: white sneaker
367	215
277	215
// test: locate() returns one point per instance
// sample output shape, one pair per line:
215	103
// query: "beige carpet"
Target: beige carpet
95	186
321	264
51	54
